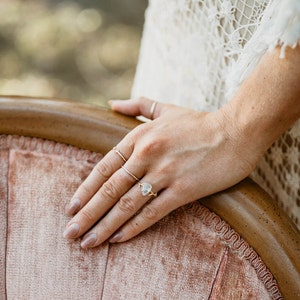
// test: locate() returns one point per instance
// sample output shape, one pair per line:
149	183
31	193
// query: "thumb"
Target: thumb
138	107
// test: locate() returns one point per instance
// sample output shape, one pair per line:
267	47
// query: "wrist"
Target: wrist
251	132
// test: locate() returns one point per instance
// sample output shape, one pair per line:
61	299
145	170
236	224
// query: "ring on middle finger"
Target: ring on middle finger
146	188
130	173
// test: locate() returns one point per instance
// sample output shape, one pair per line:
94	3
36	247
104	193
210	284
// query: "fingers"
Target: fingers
128	206
138	107
100	174
105	198
149	215
98	193
112	195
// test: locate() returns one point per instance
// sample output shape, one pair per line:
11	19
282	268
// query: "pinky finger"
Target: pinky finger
149	215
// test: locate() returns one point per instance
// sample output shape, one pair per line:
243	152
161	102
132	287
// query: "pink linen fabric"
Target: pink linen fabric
190	254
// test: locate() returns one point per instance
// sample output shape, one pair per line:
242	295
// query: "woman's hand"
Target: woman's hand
185	155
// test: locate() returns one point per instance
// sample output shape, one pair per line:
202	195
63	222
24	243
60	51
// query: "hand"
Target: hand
185	155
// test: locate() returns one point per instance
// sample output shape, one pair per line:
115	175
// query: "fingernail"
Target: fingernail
110	102
73	206
71	231
115	101
116	237
89	240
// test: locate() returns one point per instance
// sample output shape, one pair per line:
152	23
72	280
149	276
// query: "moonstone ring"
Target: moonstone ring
146	189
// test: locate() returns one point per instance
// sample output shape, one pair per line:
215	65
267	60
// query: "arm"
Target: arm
185	155
268	102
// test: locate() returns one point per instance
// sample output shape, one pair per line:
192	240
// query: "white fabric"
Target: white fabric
196	53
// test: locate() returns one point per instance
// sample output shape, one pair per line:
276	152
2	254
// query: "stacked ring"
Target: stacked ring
129	173
119	153
146	188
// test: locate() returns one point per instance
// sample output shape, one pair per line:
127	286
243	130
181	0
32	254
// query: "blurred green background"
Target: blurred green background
81	50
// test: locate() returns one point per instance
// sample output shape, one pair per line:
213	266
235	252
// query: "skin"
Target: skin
203	154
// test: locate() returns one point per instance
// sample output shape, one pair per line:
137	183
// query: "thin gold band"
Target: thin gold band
119	153
146	188
152	109
129	173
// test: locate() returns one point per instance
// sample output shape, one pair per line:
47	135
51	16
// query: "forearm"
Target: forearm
268	102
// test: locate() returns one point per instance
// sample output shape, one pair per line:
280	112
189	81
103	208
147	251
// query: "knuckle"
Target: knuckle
150	213
109	191
126	205
151	147
104	168
132	228
167	169
88	215
181	187
142	98
139	131
106	228
148	141
85	189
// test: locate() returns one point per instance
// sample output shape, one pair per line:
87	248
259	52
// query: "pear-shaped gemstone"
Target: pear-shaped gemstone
146	188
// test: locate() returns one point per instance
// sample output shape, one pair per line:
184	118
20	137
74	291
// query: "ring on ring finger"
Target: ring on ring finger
146	189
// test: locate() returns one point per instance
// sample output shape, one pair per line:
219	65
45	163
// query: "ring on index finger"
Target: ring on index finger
119	153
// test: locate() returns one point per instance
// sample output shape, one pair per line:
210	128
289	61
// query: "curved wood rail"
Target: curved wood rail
85	126
257	218
245	207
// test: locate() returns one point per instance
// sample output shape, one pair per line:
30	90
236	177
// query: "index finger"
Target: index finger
99	175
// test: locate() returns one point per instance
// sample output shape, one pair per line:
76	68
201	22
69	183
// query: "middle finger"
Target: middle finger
128	205
101	202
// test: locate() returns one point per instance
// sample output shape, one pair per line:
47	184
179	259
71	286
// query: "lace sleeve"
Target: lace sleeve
280	26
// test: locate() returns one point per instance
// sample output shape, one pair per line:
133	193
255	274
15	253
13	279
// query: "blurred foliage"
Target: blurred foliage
82	50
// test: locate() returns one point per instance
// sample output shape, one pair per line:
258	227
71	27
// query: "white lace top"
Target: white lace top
196	53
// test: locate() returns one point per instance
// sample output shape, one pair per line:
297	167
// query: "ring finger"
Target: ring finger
128	205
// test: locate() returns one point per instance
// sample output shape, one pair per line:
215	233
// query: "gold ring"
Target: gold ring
146	189
152	109
119	153
129	173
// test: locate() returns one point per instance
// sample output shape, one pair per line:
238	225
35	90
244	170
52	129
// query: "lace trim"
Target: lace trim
237	244
279	26
48	147
279	172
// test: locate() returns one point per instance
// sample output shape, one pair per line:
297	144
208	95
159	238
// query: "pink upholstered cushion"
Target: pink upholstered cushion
191	254
3	217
